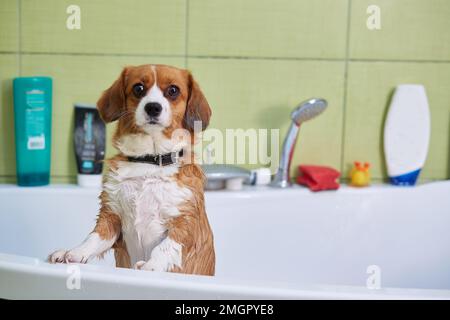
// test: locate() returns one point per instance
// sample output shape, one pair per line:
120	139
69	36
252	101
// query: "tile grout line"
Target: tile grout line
344	98
266	58
222	57
315	59
225	57
92	54
186	35
19	29
397	60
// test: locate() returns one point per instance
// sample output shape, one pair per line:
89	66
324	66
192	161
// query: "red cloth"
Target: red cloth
318	178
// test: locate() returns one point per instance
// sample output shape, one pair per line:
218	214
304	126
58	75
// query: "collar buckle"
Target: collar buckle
175	157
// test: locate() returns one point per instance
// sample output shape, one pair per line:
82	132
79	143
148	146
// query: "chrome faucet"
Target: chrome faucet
305	111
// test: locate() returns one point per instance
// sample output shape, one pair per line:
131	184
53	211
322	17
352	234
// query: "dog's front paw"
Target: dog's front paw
63	256
147	265
138	265
57	256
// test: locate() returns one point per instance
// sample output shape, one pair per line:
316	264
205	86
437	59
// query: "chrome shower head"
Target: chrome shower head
305	111
308	109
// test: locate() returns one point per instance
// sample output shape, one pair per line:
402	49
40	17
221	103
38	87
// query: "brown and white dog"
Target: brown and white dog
153	216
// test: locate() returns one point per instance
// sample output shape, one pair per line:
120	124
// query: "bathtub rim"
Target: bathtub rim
246	192
205	287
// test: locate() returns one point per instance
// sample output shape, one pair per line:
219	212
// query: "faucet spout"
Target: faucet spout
305	111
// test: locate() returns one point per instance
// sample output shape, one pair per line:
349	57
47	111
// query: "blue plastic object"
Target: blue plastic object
407	179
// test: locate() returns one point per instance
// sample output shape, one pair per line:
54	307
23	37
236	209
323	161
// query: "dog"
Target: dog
152	210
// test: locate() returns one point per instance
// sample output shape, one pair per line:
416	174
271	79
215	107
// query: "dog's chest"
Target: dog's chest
146	197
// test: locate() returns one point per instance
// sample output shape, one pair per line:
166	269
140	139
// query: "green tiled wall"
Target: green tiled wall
412	30
261	94
9	67
107	27
267	28
255	60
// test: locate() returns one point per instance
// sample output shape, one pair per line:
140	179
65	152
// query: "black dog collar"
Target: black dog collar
161	160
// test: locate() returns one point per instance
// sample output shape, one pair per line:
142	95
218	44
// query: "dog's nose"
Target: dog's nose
153	109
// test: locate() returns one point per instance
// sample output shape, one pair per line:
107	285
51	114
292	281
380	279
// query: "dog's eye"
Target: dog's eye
138	90
172	92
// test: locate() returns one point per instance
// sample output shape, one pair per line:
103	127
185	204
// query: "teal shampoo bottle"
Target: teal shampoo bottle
32	117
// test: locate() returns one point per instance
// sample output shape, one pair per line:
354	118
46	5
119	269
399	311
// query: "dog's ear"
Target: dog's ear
112	102
197	108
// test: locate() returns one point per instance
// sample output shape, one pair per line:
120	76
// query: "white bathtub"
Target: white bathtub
269	244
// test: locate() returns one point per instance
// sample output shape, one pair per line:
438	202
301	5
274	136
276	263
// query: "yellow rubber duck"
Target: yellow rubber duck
360	174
